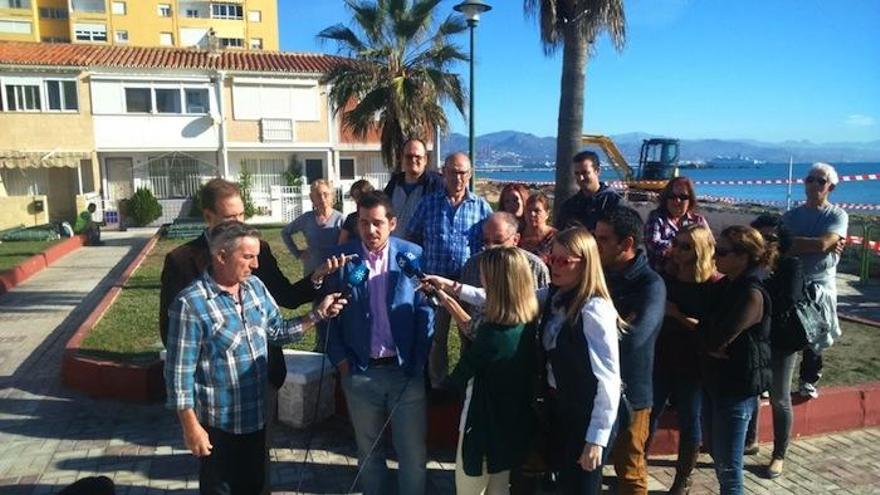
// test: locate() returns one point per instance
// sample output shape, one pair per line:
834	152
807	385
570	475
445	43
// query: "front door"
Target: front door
120	179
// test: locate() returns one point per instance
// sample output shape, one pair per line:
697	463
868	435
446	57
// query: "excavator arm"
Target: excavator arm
612	152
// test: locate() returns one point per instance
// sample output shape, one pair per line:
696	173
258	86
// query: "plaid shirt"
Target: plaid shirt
216	361
660	231
448	235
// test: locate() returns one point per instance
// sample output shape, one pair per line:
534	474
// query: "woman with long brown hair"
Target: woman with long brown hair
675	210
513	199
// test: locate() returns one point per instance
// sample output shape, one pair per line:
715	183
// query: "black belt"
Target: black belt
385	361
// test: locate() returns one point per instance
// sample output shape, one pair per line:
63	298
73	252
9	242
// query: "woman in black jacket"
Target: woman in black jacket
736	334
786	287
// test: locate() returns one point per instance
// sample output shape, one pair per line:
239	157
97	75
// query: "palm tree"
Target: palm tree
574	25
398	77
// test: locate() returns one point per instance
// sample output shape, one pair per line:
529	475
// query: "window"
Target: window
314	169
346	168
164	10
192	13
255	16
256	43
61	95
138	100
226	11
232	42
166	39
15	4
15	27
119	8
174	177
53	13
55	39
197	101
23	98
90	32
121	36
168	100
265	173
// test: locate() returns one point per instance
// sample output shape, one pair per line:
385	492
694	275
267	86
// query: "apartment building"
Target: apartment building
86	122
237	24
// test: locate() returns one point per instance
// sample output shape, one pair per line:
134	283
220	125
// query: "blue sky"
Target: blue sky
768	70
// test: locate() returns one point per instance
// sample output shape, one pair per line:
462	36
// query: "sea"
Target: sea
861	193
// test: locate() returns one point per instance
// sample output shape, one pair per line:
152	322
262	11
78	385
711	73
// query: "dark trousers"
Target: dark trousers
237	464
811	366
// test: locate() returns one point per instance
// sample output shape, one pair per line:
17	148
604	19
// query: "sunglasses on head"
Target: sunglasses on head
680	197
562	260
819	180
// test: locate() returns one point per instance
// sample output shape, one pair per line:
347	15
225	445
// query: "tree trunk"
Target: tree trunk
571	109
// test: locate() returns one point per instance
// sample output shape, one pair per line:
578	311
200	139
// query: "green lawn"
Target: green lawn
855	358
14	252
129	332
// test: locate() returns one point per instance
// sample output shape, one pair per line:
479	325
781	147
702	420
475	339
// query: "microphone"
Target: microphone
356	275
411	267
409	263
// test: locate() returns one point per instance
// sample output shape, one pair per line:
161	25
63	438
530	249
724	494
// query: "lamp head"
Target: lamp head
471	9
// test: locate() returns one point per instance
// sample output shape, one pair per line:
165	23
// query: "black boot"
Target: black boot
687	461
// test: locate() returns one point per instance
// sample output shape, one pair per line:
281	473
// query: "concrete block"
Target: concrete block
299	394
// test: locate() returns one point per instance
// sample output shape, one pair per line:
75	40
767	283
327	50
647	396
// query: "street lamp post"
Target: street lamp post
471	9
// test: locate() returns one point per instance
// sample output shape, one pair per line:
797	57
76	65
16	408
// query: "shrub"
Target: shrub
245	181
143	208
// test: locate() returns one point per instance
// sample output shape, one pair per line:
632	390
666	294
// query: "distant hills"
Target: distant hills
521	148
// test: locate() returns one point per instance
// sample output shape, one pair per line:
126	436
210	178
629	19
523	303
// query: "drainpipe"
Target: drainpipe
223	151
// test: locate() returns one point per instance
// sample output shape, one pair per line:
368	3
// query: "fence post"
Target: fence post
865	259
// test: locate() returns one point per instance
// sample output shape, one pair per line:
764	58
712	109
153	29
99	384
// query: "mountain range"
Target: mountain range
521	148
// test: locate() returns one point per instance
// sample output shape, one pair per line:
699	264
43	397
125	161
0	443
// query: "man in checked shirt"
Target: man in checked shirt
215	370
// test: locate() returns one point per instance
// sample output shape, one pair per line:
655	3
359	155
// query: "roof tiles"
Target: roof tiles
84	55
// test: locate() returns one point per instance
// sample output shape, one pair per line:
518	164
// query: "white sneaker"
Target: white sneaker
809	390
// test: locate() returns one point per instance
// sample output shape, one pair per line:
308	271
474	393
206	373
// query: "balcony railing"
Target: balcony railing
15	4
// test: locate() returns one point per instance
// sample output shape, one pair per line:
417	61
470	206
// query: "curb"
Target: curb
859	319
26	269
104	379
836	409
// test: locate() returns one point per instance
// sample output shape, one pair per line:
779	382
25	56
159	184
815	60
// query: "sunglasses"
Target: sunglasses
819	180
561	261
412	156
680	197
684	246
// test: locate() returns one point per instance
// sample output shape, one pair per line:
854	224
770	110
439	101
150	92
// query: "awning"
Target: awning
35	159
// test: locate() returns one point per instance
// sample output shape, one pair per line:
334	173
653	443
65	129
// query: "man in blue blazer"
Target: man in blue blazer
379	344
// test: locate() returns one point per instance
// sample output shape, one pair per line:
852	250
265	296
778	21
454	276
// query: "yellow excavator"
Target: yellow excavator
658	161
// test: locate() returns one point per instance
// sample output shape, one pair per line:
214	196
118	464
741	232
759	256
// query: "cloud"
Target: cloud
859	120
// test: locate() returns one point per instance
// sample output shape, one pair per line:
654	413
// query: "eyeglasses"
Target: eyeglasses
819	180
680	197
413	156
561	261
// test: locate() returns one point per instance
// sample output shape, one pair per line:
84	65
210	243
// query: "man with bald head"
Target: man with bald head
449	226
500	229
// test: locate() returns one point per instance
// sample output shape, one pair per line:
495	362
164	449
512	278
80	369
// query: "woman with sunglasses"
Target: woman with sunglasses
676	209
677	378
578	331
735	336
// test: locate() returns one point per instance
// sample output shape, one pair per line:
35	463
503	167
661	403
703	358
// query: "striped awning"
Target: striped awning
36	159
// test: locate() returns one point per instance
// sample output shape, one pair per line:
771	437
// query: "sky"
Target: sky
730	69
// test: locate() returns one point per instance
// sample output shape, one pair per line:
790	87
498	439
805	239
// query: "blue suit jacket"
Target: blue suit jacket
409	314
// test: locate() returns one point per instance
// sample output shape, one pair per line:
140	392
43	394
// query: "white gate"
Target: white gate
290	202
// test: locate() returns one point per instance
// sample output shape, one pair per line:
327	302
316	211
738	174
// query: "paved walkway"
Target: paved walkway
51	436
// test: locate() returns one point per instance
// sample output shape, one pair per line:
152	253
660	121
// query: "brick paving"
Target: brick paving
51	436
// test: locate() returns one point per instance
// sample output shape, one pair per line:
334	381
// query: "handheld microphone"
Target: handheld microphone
356	275
412	268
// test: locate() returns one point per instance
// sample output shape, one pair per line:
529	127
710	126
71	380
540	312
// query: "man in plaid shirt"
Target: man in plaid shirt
449	227
215	369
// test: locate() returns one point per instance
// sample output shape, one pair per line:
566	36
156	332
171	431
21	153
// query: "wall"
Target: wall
18	210
44	131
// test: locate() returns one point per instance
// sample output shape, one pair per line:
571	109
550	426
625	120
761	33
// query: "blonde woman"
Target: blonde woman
497	420
320	227
689	289
578	332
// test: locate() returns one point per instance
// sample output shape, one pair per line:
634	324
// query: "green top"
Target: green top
500	417
82	221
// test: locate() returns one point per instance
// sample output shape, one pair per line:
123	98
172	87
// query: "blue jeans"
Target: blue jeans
687	397
730	419
371	396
